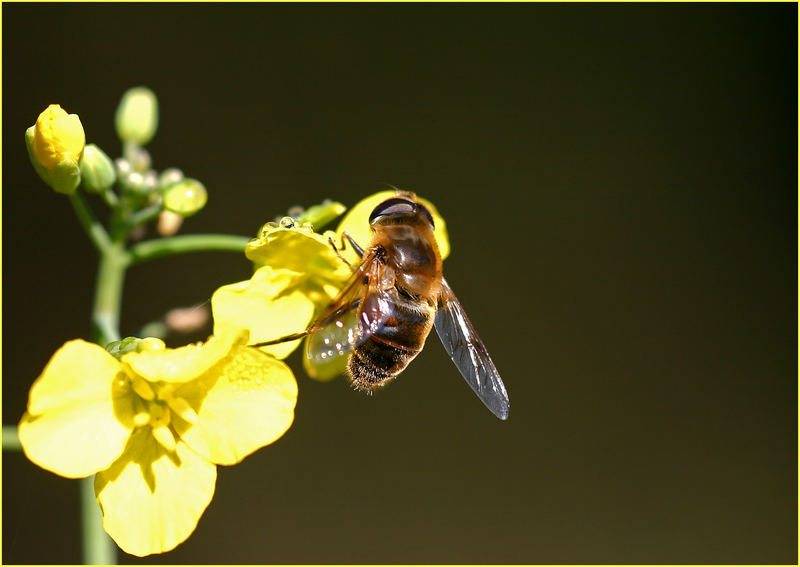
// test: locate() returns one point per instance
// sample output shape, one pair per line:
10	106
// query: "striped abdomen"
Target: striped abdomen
405	325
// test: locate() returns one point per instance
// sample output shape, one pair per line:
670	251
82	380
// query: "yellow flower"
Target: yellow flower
300	275
55	145
153	425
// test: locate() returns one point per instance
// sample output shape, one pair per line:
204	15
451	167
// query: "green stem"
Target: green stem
108	293
110	198
11	438
94	229
98	549
159	247
144	215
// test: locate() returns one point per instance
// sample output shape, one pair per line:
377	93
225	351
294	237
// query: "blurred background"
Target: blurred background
620	188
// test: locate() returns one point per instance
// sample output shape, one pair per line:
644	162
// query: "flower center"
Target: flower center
153	405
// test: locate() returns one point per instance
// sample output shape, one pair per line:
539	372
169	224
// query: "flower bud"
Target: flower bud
55	145
134	182
169	177
185	197
97	170
134	344
320	215
140	160
187	319
169	223
137	116
151	180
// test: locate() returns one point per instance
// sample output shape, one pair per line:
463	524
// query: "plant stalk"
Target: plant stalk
158	247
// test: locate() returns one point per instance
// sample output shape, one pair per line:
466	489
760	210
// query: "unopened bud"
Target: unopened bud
169	177
134	182
185	197
97	170
187	319
320	215
134	344
137	116
55	145
140	160
169	223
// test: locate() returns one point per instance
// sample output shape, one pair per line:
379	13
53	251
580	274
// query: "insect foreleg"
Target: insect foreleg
287	338
356	247
342	258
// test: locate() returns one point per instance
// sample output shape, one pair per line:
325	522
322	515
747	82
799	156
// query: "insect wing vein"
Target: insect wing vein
346	322
469	354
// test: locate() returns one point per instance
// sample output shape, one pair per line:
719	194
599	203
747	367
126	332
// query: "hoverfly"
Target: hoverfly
383	314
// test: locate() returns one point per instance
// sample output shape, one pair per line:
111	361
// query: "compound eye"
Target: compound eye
394	206
426	213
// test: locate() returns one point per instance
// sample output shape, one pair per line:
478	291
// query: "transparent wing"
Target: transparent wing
469	354
354	315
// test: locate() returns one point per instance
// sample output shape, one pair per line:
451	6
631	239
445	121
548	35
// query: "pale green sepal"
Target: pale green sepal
66	177
43	173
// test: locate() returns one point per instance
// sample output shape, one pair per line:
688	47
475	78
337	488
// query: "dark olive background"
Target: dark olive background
620	187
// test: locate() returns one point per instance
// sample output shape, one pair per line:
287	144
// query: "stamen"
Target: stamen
164	437
141	416
141	387
182	408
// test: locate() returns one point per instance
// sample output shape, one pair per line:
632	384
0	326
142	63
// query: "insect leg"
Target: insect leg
342	258
284	339
356	247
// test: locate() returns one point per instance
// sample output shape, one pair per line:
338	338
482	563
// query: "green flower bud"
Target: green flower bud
137	116
151	180
66	177
134	344
123	166
320	215
169	177
134	182
185	197
97	170
140	160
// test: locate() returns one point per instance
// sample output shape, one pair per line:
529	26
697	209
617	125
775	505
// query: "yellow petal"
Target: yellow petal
184	363
269	304
250	405
58	136
79	412
356	224
298	249
152	500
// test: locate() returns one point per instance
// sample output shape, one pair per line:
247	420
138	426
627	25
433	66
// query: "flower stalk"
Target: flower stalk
97	547
108	293
159	247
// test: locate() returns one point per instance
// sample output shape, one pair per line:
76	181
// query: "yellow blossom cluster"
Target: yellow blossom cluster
151	423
